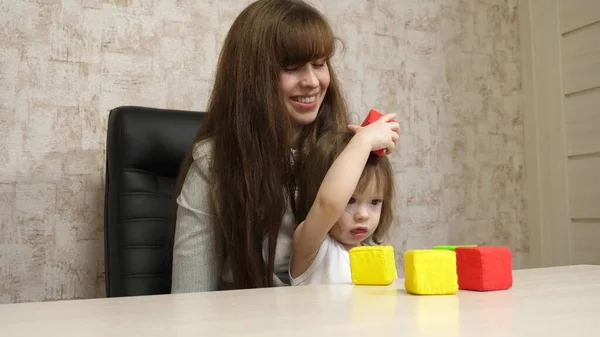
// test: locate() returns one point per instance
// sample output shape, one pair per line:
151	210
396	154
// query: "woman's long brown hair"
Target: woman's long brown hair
253	176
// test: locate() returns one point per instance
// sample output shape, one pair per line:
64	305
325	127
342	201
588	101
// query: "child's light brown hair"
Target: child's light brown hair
319	160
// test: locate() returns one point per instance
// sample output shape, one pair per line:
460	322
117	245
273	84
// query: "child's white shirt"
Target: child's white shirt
331	265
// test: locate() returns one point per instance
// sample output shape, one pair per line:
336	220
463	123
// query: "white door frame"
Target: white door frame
547	214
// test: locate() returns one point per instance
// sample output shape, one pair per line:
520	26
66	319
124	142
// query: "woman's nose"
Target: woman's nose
309	78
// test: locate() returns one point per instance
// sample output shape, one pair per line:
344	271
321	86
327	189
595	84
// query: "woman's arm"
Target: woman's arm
195	266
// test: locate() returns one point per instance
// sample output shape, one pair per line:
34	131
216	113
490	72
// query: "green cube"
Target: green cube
452	248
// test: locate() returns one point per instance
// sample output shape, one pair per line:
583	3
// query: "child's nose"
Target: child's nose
361	214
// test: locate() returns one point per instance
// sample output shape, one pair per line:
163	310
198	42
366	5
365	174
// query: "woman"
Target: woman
274	93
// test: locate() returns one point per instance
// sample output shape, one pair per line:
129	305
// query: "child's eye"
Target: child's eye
351	201
318	65
376	201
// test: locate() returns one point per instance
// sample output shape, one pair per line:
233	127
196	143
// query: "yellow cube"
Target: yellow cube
373	265
430	272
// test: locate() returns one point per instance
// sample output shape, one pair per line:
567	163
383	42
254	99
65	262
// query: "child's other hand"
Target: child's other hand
381	134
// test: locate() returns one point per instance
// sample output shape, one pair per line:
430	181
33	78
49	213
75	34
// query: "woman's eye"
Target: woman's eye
351	201
318	65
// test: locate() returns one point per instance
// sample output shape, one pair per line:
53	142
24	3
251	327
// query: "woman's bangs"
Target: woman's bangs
304	37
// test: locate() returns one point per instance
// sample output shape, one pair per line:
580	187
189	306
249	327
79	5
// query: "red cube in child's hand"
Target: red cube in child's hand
484	268
373	116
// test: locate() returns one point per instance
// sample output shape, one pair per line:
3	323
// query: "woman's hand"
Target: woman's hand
381	134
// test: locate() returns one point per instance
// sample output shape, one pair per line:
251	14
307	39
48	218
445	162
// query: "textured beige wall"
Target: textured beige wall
449	68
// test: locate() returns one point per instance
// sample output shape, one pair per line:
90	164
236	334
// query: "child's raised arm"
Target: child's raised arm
337	188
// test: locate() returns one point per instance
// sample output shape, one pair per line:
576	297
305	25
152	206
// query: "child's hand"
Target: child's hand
381	134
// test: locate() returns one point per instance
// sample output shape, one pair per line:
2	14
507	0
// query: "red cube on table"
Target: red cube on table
484	268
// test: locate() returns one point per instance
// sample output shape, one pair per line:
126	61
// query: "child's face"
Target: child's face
360	219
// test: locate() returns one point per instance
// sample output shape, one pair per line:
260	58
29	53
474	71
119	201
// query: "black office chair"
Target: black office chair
144	150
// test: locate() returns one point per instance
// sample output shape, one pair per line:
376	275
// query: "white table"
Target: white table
562	301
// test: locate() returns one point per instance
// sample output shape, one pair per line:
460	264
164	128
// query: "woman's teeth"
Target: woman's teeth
305	99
